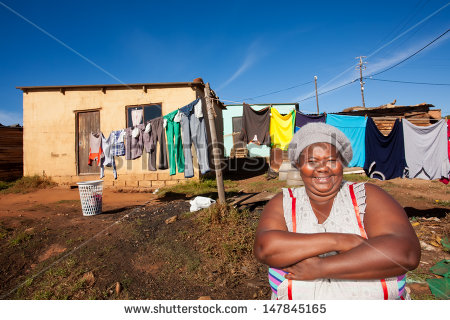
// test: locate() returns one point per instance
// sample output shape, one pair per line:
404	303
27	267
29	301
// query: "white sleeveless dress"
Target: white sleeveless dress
343	218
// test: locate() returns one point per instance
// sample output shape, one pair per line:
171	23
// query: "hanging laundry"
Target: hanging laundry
136	116
255	126
446	180
193	130
281	128
134	142
117	144
354	127
301	119
385	155
151	137
176	156
108	159
95	148
426	150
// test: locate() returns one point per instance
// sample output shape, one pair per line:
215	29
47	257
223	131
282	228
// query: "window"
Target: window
151	111
237	124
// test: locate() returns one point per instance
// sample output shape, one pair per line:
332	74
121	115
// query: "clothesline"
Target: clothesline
176	125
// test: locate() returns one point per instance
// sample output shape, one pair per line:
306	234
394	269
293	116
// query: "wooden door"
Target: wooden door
87	122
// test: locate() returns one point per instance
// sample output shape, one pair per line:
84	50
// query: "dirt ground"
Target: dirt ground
49	250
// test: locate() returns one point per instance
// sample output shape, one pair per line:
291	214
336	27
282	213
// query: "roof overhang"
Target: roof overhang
143	86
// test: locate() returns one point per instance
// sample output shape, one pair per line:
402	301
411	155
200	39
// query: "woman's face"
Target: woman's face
321	169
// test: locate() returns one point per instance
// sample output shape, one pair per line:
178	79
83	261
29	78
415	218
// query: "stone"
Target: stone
118	288
89	278
426	246
29	230
171	220
204	298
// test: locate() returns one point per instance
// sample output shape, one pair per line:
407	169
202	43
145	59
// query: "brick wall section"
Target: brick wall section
11	153
147	181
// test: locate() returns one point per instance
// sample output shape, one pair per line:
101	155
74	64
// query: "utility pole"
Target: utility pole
361	66
216	151
317	97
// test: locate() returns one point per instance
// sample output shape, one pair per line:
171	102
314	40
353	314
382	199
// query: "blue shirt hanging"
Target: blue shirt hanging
354	127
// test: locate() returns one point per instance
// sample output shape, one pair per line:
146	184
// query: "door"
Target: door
87	122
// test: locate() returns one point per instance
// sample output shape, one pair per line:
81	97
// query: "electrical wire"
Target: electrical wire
273	92
324	92
402	24
412	55
411	82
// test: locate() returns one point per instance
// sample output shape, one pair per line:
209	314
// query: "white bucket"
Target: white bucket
91	194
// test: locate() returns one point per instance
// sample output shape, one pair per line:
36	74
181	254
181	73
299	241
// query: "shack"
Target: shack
11	152
59	119
384	116
232	125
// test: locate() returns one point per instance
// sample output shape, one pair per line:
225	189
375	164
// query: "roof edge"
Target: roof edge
115	86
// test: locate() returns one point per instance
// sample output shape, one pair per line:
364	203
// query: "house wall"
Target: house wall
236	111
49	119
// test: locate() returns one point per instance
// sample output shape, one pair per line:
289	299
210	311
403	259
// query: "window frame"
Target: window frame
232	124
143	105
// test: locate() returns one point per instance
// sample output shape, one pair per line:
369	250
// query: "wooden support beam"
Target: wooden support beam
62	90
216	151
144	88
104	90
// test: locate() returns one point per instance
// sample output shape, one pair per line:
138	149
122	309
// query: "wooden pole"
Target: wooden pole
317	97
361	82
216	150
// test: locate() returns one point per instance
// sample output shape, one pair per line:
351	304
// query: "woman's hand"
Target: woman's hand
348	241
308	269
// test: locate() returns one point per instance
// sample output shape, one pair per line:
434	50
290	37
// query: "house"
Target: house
59	119
232	125
384	116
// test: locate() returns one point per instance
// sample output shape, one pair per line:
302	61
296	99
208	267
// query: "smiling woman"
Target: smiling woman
333	239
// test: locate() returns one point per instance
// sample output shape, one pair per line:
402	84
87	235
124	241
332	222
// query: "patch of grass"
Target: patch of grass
232	229
62	281
195	188
3	232
423	296
354	177
5	185
27	184
442	203
19	238
416	276
44	294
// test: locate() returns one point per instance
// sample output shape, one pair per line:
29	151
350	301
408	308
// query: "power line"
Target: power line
402	24
411	82
393	40
273	92
324	92
411	28
373	53
412	55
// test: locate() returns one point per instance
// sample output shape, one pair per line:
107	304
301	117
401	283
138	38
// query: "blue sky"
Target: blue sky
243	48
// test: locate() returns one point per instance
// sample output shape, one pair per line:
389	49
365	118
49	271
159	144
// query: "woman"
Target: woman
334	239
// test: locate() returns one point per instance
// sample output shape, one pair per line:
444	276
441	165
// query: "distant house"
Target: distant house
11	152
59	119
384	116
232	125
